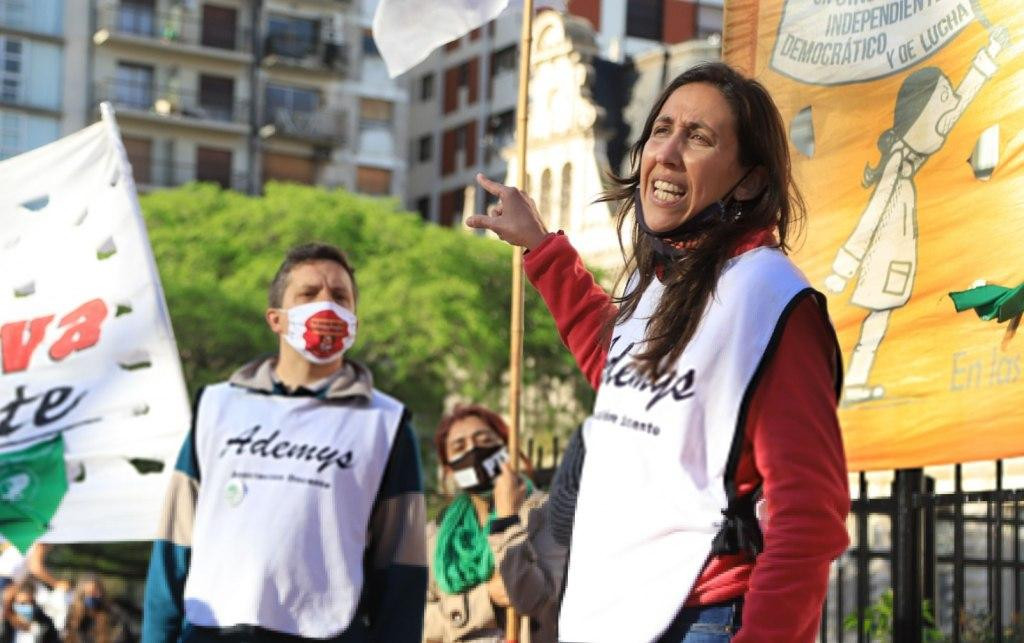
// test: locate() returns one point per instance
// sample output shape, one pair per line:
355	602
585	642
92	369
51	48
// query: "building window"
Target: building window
375	135
423	207
463	77
373	180
220	27
12	135
644	19
452	203
217	97
503	60
709	20
369	44
292	37
426	87
501	133
14	13
544	205
140	156
133	85
11	65
288	168
375	110
565	202
137	17
214	165
284	99
426	148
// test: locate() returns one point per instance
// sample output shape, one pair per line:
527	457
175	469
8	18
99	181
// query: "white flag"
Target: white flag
406	31
86	348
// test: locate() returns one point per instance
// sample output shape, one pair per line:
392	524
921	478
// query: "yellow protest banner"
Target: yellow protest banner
905	120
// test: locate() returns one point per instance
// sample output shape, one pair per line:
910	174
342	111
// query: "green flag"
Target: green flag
991	302
32	484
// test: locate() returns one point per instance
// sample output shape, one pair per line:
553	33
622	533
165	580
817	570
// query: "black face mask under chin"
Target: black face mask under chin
715	213
475	470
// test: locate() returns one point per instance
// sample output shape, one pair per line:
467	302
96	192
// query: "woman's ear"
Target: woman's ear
752	186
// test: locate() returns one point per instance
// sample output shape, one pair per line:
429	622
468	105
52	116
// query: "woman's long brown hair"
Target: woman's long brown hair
101	627
690	281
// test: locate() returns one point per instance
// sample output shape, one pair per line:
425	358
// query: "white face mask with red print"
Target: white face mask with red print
321	331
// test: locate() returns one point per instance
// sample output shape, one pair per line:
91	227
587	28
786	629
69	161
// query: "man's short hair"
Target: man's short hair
306	253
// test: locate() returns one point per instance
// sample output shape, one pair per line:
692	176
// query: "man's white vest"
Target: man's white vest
653	489
287	488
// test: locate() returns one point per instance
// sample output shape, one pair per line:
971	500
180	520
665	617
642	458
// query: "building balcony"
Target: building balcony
284	50
151	175
323	128
177	30
202	109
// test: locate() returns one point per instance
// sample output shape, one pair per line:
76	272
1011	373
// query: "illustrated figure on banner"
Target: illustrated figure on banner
883	246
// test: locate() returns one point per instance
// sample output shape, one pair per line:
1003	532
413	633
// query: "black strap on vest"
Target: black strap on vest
741	531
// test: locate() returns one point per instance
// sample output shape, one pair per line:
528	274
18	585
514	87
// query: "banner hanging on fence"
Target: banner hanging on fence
906	122
88	364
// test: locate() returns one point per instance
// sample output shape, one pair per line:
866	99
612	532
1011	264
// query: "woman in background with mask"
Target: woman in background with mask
24	621
93	618
492	547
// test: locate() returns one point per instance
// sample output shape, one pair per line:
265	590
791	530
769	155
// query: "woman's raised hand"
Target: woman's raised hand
514	219
509	492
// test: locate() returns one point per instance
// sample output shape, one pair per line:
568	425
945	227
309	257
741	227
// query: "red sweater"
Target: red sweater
791	443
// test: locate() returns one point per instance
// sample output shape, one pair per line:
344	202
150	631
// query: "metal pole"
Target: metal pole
958	552
929	555
862	558
515	362
255	41
997	569
908	577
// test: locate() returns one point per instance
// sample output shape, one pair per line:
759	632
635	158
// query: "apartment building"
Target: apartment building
240	92
180	78
331	115
462	97
41	47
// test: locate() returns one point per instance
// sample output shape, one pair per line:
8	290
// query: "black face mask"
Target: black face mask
712	215
475	470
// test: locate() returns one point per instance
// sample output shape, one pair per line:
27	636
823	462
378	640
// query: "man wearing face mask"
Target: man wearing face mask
296	508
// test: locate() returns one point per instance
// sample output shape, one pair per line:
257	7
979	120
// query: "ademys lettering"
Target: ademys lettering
322	456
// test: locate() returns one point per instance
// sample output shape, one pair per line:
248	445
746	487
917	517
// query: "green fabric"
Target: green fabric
32	484
991	302
463	558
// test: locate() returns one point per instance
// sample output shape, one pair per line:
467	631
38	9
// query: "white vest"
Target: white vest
287	487
653	484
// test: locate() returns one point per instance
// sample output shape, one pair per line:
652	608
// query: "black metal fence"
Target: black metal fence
929	566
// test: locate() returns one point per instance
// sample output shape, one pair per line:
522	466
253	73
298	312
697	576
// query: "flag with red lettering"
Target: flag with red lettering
86	348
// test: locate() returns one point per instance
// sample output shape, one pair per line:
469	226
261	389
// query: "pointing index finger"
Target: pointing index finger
495	188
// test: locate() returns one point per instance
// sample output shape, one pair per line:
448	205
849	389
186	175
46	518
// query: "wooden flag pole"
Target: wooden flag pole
516	325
